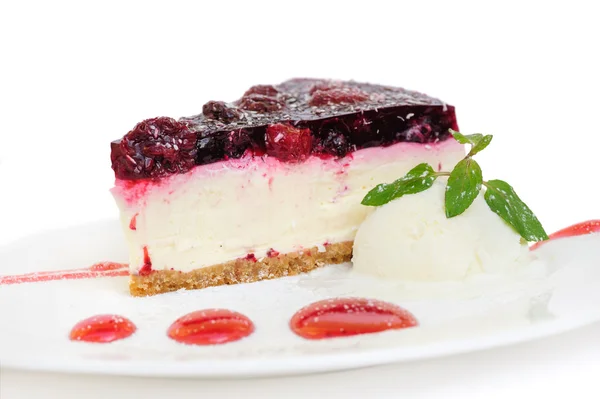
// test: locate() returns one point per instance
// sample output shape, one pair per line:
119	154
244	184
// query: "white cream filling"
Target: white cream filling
227	210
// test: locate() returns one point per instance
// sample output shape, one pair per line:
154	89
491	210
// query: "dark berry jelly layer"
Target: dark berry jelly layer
289	121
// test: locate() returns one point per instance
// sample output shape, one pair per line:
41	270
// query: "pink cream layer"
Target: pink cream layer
132	191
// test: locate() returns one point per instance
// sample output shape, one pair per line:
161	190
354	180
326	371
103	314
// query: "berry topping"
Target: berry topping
288	143
154	148
343	95
326	85
260	103
237	143
265	90
290	121
334	143
220	111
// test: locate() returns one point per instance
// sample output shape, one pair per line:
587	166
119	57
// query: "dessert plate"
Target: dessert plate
557	292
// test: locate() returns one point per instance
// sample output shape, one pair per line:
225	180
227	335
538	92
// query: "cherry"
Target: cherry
343	95
326	85
265	90
155	148
335	143
288	143
220	111
260	103
340	117
237	143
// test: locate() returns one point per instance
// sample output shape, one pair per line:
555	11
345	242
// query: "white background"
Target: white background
75	76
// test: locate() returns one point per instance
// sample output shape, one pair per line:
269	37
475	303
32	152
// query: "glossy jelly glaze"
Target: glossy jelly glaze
289	121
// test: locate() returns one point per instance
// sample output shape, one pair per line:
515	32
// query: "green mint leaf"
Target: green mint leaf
477	141
418	179
463	186
481	144
466	138
502	200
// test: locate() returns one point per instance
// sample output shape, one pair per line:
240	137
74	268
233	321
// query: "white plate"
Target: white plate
557	293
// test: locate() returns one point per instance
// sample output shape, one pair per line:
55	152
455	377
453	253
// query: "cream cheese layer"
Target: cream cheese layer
227	210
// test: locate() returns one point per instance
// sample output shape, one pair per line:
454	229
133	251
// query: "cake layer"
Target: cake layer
241	271
255	207
289	121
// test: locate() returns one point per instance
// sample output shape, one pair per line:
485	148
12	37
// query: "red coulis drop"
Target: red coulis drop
579	229
210	327
340	317
102	269
102	329
106	266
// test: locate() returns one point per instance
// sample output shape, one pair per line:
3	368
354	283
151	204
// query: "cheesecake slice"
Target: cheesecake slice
269	185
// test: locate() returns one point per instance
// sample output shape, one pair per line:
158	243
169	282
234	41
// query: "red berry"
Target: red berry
260	103
220	111
288	143
237	143
343	95
154	148
265	90
326	85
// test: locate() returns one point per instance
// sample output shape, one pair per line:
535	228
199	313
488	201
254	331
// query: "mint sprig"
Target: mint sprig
477	141
463	186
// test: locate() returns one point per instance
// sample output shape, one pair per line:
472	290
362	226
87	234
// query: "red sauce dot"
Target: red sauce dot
251	258
349	316
210	327
102	329
271	253
579	229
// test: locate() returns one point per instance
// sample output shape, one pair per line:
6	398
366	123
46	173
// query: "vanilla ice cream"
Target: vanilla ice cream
411	238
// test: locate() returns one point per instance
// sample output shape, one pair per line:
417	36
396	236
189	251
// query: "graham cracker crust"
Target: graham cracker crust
241	270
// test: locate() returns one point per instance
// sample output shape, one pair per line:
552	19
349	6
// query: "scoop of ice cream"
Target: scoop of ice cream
411	238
